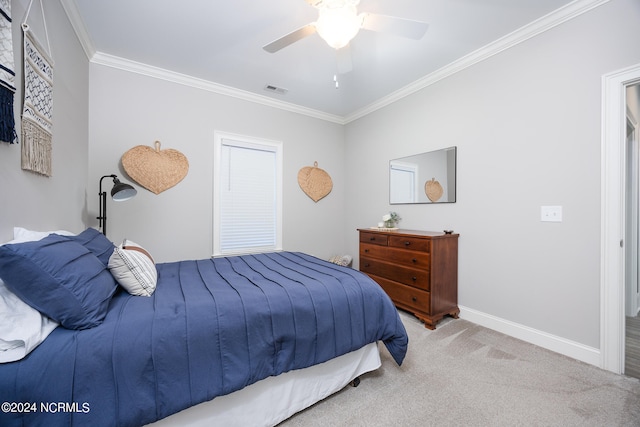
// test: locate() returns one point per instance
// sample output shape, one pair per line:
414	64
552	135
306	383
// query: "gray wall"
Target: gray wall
30	200
527	124
129	109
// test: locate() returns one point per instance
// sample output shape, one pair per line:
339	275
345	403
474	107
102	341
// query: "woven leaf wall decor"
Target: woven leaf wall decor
155	169
315	182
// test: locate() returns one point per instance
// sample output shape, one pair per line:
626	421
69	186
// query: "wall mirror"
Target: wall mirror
423	178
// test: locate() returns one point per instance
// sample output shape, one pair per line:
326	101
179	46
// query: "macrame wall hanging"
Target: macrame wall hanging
37	111
155	169
7	76
315	182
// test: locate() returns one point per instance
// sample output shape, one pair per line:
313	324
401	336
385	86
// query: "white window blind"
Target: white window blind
248	196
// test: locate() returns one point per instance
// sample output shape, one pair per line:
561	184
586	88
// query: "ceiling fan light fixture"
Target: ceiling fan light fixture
338	25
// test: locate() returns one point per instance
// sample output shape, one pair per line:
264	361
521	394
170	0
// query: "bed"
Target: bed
224	331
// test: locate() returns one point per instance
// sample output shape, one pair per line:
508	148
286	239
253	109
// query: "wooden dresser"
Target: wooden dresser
417	269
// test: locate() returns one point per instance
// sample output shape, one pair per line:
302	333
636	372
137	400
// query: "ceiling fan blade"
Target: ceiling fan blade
290	38
390	24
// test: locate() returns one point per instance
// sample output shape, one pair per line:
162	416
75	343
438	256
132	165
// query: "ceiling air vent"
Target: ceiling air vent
278	90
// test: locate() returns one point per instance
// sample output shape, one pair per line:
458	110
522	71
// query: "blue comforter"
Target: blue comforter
212	327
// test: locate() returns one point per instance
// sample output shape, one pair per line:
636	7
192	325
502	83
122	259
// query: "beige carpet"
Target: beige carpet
462	374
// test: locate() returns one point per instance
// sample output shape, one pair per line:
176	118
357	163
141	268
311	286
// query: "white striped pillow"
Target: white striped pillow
134	269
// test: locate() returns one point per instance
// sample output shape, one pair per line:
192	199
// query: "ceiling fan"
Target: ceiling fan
339	22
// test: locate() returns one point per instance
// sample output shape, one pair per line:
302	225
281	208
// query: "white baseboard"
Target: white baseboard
554	343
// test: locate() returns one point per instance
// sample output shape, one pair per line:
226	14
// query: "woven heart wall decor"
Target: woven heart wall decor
155	169
315	182
433	189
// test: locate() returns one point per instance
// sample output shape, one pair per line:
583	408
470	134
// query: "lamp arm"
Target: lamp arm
102	197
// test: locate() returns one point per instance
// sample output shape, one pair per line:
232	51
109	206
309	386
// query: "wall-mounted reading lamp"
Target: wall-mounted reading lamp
119	193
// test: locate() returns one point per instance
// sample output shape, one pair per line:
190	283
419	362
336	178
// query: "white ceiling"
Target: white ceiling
221	41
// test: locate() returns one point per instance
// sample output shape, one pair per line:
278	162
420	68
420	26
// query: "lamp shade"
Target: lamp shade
121	191
338	25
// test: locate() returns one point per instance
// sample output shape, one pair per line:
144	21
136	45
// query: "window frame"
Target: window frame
249	142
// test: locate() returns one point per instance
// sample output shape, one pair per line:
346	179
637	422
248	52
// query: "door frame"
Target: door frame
613	170
632	190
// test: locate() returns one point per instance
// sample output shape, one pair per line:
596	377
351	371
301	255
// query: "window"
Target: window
247	197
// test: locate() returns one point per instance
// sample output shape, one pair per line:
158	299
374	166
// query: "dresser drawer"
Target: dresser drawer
399	256
374	238
411	243
395	272
406	297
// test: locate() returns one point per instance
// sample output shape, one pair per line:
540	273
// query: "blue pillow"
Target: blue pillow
97	243
60	278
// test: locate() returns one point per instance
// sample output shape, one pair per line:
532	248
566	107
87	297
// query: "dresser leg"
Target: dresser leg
428	323
430	326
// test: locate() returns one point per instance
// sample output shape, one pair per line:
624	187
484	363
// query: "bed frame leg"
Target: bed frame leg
355	382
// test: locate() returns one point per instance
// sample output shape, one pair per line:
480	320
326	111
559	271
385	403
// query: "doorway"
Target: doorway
614	217
632	230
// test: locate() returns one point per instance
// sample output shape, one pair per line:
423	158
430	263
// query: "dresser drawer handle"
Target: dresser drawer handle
366	250
414	299
414	260
367	265
372	238
414	278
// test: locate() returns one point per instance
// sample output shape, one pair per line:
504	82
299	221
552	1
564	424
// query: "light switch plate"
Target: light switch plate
551	213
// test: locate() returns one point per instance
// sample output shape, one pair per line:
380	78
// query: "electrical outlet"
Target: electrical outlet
551	213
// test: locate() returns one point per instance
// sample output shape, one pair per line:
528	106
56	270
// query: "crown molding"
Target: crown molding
95	57
82	34
545	23
171	76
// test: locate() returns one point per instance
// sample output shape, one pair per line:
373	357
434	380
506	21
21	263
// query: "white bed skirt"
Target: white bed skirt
274	399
